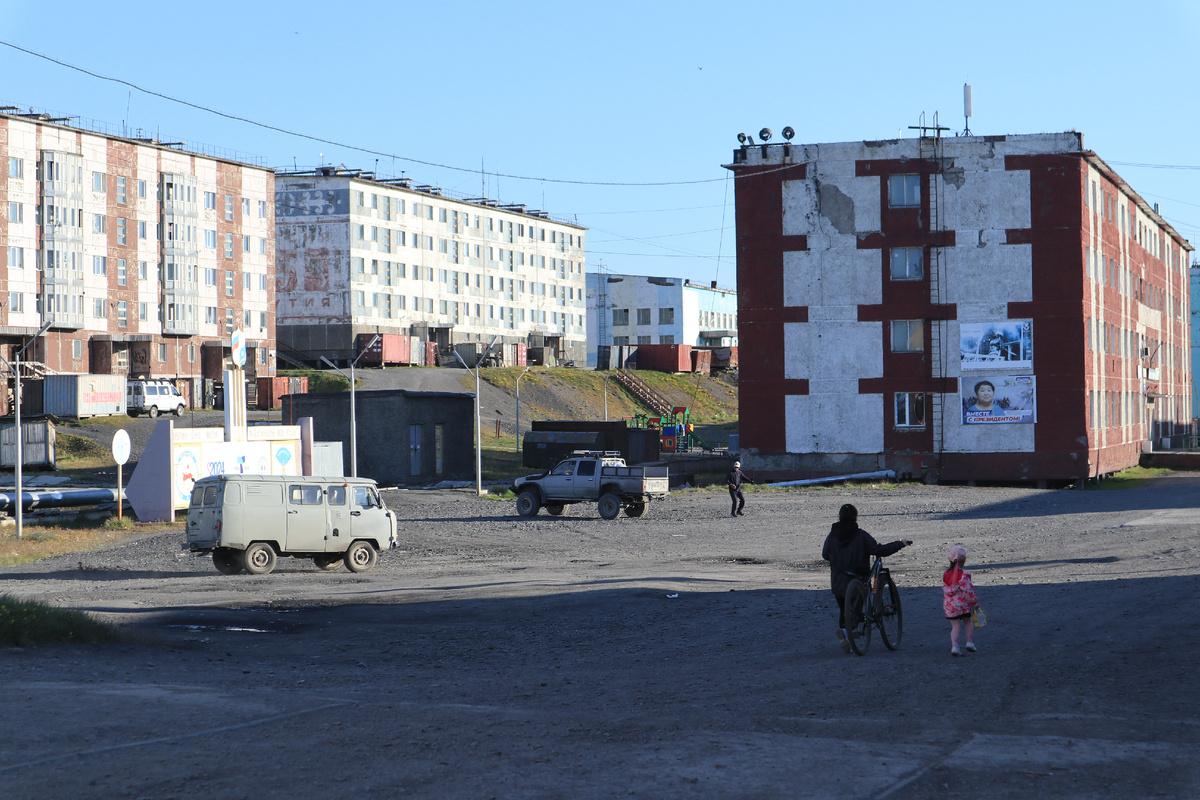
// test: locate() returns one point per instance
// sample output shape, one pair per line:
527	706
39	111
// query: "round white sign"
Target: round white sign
120	446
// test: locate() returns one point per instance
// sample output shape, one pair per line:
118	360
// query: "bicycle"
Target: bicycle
874	603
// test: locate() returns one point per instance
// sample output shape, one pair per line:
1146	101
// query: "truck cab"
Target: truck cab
596	476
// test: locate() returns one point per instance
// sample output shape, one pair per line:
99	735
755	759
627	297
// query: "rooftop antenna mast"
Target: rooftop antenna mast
967	109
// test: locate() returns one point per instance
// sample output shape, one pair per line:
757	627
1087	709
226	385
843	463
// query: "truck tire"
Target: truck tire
609	505
556	509
360	557
328	562
528	503
227	560
636	509
152	411
259	558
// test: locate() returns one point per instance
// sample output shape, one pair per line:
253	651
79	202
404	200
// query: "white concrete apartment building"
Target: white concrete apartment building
359	254
145	256
641	309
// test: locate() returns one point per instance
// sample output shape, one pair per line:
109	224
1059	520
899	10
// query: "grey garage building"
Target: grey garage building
405	438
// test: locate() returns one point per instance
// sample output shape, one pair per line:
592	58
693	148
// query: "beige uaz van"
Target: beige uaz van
248	521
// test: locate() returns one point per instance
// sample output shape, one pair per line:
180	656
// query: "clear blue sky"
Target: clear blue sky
544	102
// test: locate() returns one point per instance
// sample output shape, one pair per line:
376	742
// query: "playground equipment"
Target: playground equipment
678	434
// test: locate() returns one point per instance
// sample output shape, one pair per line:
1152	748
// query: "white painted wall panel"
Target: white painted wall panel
840	276
834	419
992	275
835	350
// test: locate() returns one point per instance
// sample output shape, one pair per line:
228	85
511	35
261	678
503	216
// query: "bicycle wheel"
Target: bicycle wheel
858	623
891	620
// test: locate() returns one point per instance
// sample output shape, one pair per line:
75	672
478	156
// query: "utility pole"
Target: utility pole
353	405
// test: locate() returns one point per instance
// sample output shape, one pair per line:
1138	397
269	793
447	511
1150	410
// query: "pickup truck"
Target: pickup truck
592	476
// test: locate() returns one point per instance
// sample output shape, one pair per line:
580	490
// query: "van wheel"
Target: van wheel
528	503
260	558
179	410
327	562
360	557
227	560
609	505
152	411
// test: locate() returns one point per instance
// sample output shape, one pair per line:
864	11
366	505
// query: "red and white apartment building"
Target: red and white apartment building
963	308
144	255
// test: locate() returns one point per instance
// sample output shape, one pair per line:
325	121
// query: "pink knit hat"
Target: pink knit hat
958	553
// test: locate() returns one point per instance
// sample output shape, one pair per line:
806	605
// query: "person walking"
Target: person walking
848	549
959	600
734	479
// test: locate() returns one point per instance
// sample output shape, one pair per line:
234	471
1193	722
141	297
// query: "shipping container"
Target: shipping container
416	352
79	396
389	350
702	362
469	352
665	357
431	359
522	355
271	389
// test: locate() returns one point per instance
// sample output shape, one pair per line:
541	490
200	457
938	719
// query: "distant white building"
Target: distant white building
357	254
639	309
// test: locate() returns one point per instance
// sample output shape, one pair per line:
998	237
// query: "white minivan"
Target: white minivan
153	398
248	521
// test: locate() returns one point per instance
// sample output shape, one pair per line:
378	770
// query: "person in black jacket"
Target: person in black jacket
735	478
848	549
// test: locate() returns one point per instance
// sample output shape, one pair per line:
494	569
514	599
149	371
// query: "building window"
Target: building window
229	246
262	354
16	213
76	349
210	315
210	200
910	410
98	307
143	312
666	316
210	239
907	263
142	189
228	283
245	244
620	340
122	190
16	168
643	318
229	320
141	229
99	223
229	207
16	303
908	335
620	317
122	314
644	340
143	270
99	265
666	340
262	208
122	273
16	257
162	353
98	182
121	240
904	191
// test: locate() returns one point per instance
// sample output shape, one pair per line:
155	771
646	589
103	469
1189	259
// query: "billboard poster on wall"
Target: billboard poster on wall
999	400
1006	345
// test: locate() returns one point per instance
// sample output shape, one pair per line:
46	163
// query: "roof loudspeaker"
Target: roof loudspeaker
765	134
788	133
742	138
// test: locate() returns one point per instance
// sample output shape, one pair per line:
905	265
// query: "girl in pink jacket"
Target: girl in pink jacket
958	599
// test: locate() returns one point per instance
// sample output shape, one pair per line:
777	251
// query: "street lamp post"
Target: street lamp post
478	428
15	368
522	375
353	405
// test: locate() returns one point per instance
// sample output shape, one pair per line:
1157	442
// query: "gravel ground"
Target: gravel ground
685	654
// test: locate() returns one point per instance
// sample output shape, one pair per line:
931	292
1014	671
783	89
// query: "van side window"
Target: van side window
337	495
233	494
362	497
210	495
305	495
151	390
587	468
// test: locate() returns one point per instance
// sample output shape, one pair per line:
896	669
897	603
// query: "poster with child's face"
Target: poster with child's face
998	400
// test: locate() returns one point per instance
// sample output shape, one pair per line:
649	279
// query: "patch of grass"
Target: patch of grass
320	380
115	524
114	421
1130	478
80	452
45	541
29	624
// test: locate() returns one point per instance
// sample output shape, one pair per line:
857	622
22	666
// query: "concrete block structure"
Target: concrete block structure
405	438
144	255
640	309
357	254
968	308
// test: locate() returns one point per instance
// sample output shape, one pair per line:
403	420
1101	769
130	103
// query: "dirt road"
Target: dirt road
681	655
